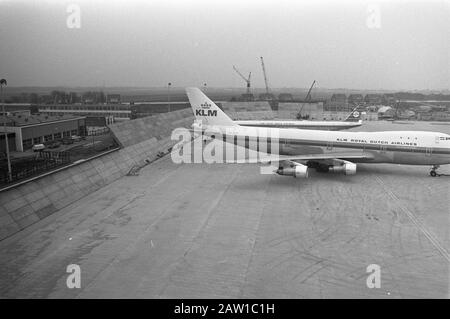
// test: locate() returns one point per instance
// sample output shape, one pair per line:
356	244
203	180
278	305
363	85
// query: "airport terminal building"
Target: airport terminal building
36	129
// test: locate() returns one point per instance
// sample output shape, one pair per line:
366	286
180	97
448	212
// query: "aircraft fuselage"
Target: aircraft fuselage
304	125
400	147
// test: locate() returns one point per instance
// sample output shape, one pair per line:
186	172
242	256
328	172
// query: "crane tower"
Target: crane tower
265	76
247	80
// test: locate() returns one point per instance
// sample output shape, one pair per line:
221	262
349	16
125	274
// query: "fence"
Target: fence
24	168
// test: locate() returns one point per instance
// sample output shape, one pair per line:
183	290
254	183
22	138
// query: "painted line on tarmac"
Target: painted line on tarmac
415	221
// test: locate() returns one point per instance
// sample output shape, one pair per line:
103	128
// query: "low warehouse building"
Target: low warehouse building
36	129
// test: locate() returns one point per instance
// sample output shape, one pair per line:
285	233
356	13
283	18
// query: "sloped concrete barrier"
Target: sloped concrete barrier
141	139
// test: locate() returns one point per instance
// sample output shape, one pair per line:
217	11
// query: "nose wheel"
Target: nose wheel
433	172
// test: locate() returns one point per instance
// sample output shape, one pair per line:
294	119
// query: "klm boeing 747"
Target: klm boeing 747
326	151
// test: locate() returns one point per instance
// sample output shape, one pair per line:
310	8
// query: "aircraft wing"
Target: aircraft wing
266	158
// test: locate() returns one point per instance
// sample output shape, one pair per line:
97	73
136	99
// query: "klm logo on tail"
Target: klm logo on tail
205	111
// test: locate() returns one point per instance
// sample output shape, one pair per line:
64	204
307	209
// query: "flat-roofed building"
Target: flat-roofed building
12	108
375	98
338	97
111	112
18	112
355	98
337	103
113	98
143	109
37	129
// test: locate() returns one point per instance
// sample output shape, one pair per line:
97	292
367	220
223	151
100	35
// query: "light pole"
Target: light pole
3	82
168	93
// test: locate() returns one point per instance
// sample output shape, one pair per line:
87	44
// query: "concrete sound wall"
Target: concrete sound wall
159	126
24	205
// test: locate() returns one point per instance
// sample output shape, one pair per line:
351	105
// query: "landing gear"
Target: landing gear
319	167
322	168
433	170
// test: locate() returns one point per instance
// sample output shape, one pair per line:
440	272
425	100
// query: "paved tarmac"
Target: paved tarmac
226	231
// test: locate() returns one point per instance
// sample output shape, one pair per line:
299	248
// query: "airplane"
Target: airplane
325	151
352	120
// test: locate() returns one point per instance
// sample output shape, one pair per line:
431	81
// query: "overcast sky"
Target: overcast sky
351	44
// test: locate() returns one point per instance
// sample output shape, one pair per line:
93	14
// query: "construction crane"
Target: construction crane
265	77
307	98
244	78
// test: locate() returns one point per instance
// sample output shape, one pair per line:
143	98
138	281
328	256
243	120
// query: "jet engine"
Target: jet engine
298	170
347	168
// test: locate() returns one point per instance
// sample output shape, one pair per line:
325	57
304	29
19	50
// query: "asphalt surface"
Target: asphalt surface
227	231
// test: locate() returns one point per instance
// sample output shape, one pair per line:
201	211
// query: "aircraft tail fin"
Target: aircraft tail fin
354	116
206	110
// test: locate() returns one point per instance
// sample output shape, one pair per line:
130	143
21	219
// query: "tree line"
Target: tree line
58	97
